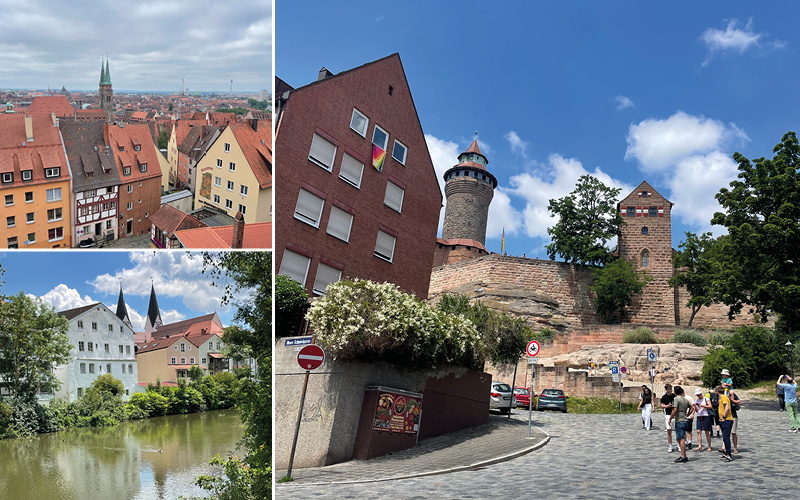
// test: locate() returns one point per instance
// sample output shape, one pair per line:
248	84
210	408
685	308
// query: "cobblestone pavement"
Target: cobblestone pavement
138	241
498	440
594	456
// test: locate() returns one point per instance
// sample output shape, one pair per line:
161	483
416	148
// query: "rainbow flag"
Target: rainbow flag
378	157
503	241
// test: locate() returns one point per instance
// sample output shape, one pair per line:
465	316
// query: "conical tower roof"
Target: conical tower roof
153	321
122	310
470	157
105	73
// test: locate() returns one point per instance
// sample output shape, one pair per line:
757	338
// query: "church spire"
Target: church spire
102	71
122	309
153	321
107	80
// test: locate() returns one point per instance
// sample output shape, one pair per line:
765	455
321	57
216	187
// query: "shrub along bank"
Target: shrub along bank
102	404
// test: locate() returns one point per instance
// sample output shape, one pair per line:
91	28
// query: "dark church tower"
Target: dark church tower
122	310
469	189
153	321
105	90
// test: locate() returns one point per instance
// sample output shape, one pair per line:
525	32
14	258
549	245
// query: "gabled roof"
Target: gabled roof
57	104
257	148
169	219
197	141
257	235
157	344
643	187
87	154
182	127
74	313
191	327
127	136
44	151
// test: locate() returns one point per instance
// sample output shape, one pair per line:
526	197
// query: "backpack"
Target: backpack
714	397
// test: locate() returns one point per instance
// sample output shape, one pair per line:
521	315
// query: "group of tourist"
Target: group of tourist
716	408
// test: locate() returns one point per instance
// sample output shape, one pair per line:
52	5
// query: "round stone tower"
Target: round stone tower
469	189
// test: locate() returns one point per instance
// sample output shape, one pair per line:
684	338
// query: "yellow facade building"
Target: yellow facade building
235	174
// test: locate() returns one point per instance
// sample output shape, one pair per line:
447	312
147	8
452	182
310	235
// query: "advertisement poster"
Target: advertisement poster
397	413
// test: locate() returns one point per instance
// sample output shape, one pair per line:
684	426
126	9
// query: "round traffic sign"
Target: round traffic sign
651	356
310	357
623	370
533	348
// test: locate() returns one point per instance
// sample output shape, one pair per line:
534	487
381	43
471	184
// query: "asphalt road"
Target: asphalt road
598	456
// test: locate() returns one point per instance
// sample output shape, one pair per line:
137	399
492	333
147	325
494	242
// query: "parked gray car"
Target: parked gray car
500	397
552	399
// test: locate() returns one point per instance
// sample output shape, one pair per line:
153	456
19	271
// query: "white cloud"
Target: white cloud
502	215
444	154
558	179
624	102
660	144
62	298
689	154
173	274
517	144
737	40
696	181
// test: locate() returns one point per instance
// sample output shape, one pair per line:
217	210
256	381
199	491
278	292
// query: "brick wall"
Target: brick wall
444	254
150	195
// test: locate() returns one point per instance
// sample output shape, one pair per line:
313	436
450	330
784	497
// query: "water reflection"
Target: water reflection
156	458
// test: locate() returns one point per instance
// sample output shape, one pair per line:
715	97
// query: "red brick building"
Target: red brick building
358	193
140	175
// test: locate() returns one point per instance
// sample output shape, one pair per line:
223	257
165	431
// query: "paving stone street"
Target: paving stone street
593	456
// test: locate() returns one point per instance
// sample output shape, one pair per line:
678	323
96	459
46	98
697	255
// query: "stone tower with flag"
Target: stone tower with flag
105	91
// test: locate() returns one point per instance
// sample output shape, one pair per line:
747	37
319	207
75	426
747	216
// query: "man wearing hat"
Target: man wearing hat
727	382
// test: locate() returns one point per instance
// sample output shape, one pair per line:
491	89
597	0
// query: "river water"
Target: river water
156	458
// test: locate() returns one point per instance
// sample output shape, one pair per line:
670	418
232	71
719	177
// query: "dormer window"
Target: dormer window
8	177
52	172
137	147
122	148
143	167
27	175
126	170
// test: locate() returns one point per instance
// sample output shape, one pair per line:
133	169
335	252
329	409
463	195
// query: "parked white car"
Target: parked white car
500	397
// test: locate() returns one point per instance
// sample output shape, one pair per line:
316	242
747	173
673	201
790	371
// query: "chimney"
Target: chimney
55	120
254	124
238	230
29	128
324	74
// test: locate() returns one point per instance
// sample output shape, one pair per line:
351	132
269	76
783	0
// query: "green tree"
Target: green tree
33	339
170	106
195	373
163	138
236	272
587	219
291	301
699	257
762	254
614	286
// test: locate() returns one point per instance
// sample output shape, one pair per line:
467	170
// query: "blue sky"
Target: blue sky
69	279
626	91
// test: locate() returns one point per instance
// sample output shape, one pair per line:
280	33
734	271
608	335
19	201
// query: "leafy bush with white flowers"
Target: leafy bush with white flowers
366	321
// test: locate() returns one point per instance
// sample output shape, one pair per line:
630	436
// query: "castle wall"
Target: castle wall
449	254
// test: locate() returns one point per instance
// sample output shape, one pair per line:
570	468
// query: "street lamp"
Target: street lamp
790	350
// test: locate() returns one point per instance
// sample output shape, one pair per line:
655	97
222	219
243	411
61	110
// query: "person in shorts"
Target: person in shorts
690	421
666	406
681	410
701	407
727	381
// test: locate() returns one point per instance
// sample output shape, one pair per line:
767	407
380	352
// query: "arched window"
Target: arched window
645	258
644	229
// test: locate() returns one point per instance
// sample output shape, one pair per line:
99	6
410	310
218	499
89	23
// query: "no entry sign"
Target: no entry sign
533	348
310	357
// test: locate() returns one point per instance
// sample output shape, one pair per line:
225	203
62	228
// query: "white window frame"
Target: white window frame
299	261
380	255
27	175
143	167
385	143
8	177
231	166
347	162
216	199
30	220
219	162
325	271
126	171
52	172
336	220
26	196
230	186
363	132
227	147
390	202
11	196
320	161
309	218
217	181
130	188
242	208
405	152
11	221
228	204
57	238
51	195
55	215
243	190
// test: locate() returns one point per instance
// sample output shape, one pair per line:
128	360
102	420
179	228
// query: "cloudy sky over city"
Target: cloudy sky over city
625	91
151	45
70	279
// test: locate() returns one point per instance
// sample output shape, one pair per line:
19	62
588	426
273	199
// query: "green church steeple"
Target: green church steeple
105	73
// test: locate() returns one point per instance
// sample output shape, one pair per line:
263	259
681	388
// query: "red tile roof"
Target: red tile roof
257	148
44	151
190	327
474	148
169	219
57	104
127	136
461	241
257	235
182	127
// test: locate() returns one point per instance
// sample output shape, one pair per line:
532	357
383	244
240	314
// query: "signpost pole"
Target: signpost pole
513	382
297	425
530	400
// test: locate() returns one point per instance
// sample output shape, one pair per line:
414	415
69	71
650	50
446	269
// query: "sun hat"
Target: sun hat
698	391
726	373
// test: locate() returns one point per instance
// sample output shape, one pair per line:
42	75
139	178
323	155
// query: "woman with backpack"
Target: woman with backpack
702	406
714	411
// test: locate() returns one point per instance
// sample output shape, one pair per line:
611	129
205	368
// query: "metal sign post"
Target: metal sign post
530	395
513	381
310	357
